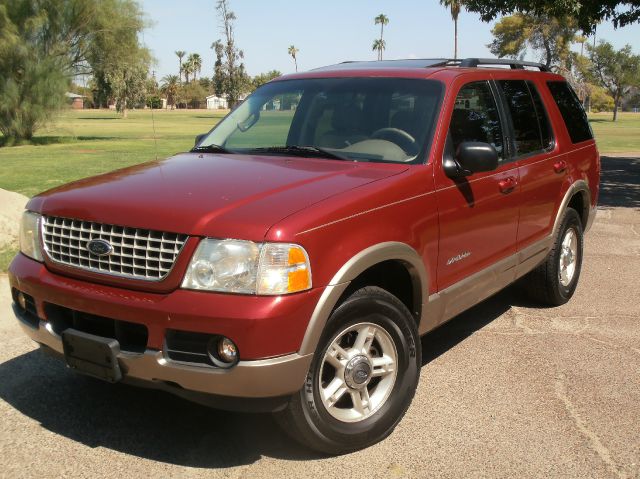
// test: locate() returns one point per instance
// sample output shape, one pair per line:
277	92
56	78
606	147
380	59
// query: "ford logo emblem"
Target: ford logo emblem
99	247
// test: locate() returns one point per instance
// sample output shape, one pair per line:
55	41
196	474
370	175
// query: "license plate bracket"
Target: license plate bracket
92	355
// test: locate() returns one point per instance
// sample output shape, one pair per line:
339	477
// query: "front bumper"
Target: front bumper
254	378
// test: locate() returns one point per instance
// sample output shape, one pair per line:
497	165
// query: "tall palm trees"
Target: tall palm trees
180	54
455	6
379	44
293	51
195	62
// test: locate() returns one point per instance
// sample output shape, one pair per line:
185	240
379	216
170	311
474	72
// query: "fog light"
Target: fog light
227	350
222	352
22	301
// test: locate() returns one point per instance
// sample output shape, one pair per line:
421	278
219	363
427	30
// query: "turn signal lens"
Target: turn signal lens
284	268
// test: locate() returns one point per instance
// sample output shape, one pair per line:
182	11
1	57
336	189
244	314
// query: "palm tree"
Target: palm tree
196	64
455	6
293	51
379	44
187	69
170	86
180	54
383	20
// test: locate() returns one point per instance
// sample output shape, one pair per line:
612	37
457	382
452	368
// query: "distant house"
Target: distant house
215	102
75	101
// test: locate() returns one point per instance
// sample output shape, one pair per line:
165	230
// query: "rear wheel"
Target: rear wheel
555	280
362	378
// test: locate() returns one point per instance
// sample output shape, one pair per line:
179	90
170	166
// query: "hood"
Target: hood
228	196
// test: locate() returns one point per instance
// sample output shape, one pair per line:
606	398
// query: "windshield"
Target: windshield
355	119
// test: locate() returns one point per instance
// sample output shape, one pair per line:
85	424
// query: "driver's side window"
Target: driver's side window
475	117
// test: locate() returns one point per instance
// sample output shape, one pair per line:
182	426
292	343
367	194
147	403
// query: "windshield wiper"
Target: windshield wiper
210	149
307	150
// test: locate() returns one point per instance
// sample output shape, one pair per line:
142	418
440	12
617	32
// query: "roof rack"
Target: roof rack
435	62
475	62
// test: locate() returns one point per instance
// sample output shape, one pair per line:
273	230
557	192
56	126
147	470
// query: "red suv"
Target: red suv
292	259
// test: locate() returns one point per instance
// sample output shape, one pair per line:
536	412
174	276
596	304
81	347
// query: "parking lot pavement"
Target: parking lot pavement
507	390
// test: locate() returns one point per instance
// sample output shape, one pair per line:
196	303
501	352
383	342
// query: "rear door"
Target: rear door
479	213
541	167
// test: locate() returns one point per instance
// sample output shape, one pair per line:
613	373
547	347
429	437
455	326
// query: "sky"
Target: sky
325	32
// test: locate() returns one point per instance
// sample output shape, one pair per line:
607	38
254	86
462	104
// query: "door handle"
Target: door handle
508	184
560	166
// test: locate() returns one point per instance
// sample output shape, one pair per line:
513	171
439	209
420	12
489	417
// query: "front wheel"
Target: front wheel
362	378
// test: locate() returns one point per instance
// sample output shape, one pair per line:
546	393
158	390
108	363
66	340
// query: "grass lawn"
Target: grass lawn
620	137
88	142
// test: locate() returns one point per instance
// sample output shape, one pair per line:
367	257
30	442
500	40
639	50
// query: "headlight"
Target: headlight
234	266
30	243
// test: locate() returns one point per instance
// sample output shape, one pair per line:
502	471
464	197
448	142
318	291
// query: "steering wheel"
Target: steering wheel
395	135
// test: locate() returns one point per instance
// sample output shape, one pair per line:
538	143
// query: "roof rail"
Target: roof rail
514	64
436	62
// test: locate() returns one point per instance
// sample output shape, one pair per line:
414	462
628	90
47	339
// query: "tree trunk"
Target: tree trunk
455	39
616	102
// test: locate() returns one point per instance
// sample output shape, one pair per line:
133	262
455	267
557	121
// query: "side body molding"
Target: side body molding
359	263
446	304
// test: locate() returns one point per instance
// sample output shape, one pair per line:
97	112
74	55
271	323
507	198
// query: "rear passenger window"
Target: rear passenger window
571	110
530	125
475	117
543	118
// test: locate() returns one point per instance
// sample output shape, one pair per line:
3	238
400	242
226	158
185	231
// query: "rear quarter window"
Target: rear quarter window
575	119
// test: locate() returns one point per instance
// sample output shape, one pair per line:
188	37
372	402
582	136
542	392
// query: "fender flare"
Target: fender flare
355	266
578	186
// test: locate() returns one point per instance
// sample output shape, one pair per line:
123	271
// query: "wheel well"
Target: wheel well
393	276
579	203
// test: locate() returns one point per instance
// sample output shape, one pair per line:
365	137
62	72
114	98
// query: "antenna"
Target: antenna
153	120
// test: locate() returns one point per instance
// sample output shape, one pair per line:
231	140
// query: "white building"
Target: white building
214	102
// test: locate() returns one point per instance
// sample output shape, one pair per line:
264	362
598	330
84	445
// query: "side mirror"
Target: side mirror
471	157
199	138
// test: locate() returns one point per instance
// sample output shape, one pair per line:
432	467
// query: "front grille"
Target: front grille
132	337
137	253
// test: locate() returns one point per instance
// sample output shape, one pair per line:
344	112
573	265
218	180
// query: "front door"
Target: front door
479	213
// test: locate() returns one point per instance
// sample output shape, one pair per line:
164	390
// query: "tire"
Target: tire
550	283
384	324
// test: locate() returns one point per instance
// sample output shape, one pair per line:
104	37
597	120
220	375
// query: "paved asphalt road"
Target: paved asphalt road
506	390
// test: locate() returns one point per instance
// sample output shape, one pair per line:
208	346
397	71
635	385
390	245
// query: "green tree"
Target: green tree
235	80
600	100
550	37
218	68
455	6
381	20
180	54
378	45
617	71
263	78
118	61
193	94
170	86
293	51
187	69
195	61
586	12
44	43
